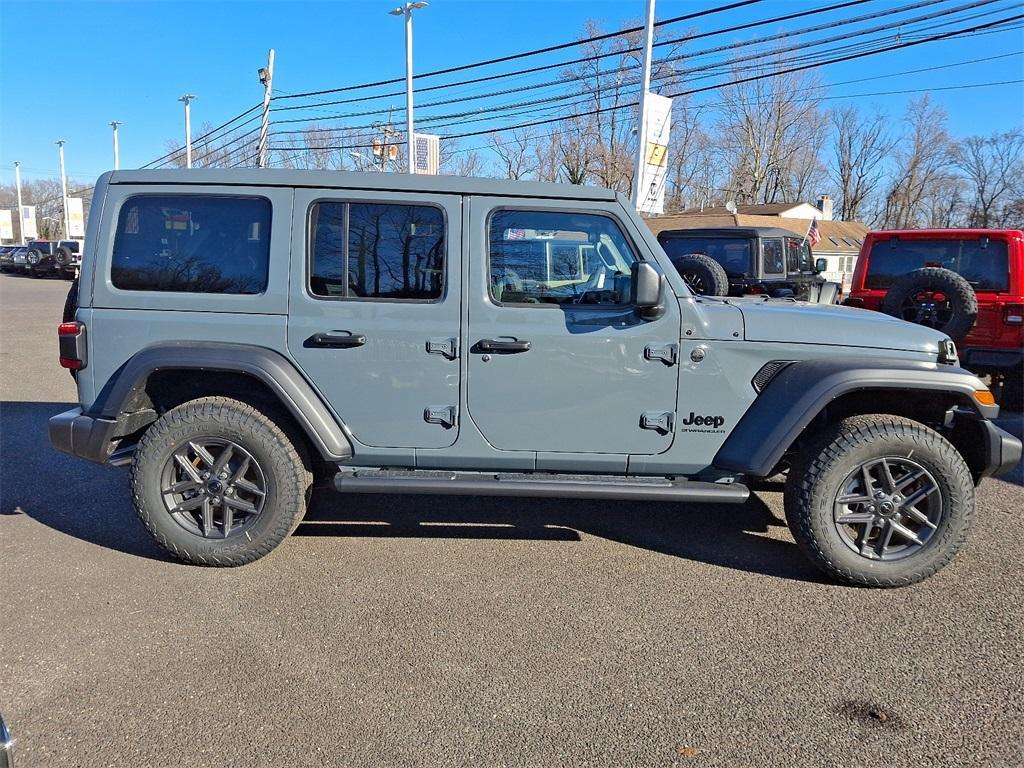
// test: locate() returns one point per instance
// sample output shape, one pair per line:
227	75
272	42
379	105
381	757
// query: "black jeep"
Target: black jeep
54	257
743	261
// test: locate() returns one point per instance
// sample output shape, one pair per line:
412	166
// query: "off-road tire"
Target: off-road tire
703	274
814	483
70	303
962	299
289	479
63	257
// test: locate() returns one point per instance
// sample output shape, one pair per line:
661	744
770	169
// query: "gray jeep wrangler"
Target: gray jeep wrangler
237	333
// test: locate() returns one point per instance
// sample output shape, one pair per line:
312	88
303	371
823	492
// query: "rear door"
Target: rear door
374	311
558	358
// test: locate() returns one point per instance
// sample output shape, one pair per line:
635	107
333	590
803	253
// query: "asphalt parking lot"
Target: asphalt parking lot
477	631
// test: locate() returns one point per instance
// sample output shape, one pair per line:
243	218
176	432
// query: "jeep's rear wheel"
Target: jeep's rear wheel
218	483
879	501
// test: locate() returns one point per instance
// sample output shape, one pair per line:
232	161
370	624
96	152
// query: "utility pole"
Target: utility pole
410	139
388	130
645	86
266	78
64	187
187	99
117	158
21	214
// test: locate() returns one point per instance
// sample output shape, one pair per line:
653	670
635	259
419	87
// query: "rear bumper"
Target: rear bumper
984	360
83	436
1003	450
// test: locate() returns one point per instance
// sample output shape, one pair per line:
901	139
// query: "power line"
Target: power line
525	54
594	57
668	79
774	73
590	76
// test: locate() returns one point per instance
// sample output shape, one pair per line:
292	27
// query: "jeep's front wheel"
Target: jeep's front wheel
218	483
879	501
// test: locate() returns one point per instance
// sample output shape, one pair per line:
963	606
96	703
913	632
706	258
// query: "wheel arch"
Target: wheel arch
162	376
805	395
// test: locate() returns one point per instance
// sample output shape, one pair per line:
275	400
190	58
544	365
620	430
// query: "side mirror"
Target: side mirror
820	265
647	288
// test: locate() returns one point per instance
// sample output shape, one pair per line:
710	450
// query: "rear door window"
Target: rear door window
192	244
774	260
733	253
983	264
389	251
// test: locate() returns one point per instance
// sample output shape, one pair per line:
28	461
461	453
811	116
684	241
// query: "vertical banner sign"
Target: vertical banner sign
654	170
28	222
76	217
6	226
428	153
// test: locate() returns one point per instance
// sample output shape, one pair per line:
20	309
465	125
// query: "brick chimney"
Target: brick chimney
825	206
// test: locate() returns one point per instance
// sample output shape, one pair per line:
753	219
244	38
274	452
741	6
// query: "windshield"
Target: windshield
733	253
982	263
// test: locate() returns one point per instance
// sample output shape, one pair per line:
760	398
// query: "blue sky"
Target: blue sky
68	68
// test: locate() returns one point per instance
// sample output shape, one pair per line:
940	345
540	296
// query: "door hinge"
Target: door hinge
667	353
440	414
447	347
660	421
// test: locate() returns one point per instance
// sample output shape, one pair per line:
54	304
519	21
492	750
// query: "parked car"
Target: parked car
18	260
747	261
237	332
55	257
966	283
6	257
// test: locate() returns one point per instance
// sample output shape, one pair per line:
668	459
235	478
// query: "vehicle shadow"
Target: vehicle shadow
720	534
91	503
75	497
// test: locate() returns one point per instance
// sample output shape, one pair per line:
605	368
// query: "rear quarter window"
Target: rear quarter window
984	265
192	244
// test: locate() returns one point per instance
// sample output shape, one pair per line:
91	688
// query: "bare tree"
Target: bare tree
771	130
516	152
861	146
922	167
992	166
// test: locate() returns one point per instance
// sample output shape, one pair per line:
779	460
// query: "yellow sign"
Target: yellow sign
657	154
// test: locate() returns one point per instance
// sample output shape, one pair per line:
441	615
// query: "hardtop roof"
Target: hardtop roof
390	182
730	232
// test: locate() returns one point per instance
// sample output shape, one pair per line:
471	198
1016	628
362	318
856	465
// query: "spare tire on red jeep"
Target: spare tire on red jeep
936	297
702	274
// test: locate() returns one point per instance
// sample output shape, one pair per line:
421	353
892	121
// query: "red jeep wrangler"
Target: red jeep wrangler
968	283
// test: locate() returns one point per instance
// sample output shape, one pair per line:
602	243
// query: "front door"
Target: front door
374	311
558	358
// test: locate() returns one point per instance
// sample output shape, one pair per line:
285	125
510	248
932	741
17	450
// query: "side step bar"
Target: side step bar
538	486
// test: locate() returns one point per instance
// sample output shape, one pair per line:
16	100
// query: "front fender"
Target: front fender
797	394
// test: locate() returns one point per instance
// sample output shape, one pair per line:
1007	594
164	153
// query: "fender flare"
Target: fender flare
269	367
799	392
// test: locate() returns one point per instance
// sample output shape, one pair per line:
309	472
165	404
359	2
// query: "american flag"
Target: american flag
813	234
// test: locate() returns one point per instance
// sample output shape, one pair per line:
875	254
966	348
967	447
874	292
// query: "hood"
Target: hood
783	320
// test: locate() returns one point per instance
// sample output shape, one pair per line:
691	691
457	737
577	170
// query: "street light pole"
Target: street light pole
410	140
64	187
645	86
187	99
117	158
21	213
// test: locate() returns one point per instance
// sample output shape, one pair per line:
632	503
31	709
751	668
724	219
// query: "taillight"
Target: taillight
1013	314
71	342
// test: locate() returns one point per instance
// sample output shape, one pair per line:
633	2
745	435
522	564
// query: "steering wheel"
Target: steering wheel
595	282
